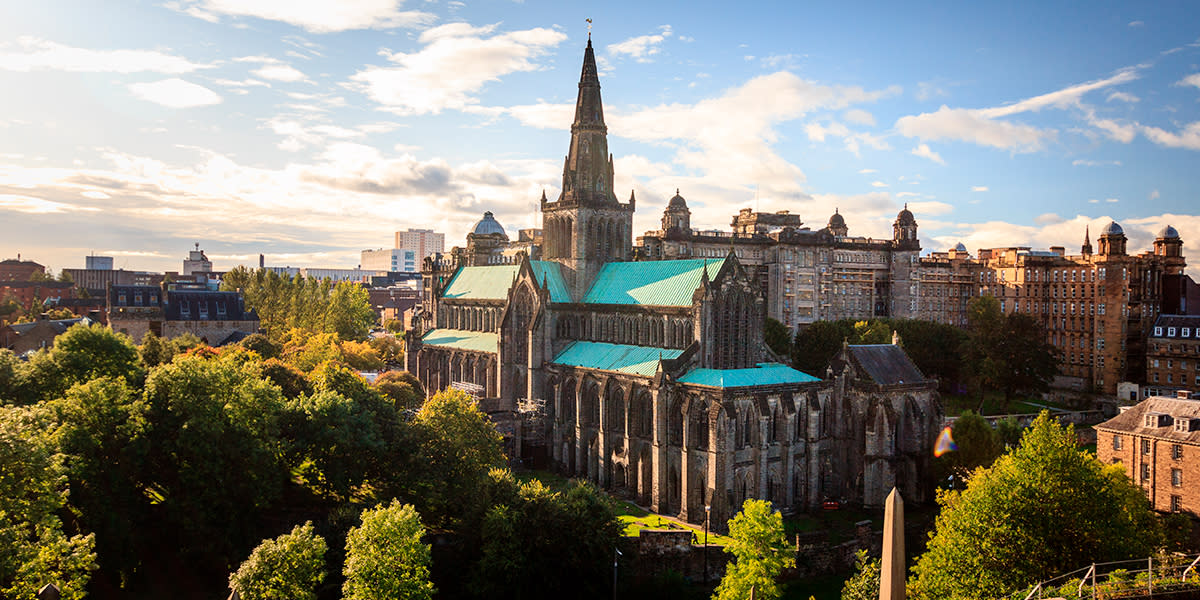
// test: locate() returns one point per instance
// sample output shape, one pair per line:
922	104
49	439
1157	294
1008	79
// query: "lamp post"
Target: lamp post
707	511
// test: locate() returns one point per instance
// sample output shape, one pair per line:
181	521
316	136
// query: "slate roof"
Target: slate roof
763	374
634	360
492	282
59	325
203	305
1133	421
886	364
477	341
651	283
1179	323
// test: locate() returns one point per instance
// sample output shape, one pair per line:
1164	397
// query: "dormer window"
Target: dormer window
203	306
221	309
185	310
121	300
1158	332
1185	332
1170	332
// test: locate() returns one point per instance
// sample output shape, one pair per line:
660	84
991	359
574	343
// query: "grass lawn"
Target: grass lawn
993	404
632	518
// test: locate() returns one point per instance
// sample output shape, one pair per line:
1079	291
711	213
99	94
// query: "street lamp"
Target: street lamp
707	511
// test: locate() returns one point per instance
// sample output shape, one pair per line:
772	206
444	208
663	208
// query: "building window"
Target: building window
1177	477
1185	332
1145	472
1176	451
1176	503
1145	446
1116	442
1158	332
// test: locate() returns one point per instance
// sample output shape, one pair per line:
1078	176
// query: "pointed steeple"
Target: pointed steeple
1087	242
587	173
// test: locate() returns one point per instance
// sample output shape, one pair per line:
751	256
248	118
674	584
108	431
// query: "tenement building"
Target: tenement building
1173	356
651	378
1158	443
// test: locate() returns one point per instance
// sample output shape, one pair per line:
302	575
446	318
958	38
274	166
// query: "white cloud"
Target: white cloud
984	127
95	195
930	207
316	16
642	47
175	93
859	116
1188	137
1054	230
1123	97
1095	163
1136	23
1192	80
29	204
281	72
866	171
34	54
455	63
878	184
979	188
924	151
1112	200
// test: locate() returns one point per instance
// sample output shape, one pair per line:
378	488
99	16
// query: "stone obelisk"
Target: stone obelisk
891	574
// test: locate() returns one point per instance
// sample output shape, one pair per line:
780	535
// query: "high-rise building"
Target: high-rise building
422	242
98	263
197	262
394	260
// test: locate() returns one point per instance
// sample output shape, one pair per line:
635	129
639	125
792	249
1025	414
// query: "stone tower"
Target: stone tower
677	215
1168	245
1112	240
587	226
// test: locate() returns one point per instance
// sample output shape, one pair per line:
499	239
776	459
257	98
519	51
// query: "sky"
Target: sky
309	130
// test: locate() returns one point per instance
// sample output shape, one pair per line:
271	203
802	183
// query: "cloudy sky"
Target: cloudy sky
309	130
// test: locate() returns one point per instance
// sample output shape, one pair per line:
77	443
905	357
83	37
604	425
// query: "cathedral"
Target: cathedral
651	378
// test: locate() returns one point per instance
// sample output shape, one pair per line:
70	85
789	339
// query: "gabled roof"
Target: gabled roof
763	374
887	364
58	325
634	360
651	283
1133	419
490	282
476	341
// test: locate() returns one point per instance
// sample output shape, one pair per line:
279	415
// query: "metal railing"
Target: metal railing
1138	578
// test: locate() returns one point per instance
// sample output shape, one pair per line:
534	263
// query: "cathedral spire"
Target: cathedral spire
1087	242
587	174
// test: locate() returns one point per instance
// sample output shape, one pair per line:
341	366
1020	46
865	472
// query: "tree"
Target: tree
34	550
395	326
290	380
402	388
1043	509
760	552
876	331
154	351
349	313
289	567
819	342
385	557
978	446
458	445
261	344
335	443
102	430
1008	432
778	338
14	384
864	584
362	356
1008	353
936	348
83	353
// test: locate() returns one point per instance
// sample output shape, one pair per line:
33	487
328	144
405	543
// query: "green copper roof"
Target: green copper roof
551	274
763	374
492	282
635	360
477	341
651	283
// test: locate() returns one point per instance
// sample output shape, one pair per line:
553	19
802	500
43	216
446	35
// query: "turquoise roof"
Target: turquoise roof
489	282
635	360
492	282
763	374
477	341
651	283
551	274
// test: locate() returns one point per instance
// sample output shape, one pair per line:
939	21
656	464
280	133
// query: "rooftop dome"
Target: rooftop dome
960	247
677	201
906	217
1112	229
837	220
1168	233
488	225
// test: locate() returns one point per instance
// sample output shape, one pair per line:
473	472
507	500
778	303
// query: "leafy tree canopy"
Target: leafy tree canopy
1043	509
760	552
386	558
289	567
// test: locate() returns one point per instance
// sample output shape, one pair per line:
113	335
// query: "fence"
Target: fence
1154	576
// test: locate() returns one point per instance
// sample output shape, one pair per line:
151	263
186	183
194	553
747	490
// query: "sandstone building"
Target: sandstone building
210	316
1158	443
651	378
1173	356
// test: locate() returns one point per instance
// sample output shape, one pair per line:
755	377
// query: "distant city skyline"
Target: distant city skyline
311	132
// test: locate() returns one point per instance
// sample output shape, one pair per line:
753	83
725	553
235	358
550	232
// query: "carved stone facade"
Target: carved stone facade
651	378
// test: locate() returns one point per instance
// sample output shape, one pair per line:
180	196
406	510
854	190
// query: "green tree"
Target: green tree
877	331
817	343
1008	353
262	344
349	313
102	430
936	348
154	351
14	383
760	552
290	380
395	326
289	567
83	353
402	388
458	446
1008	432
778	338
34	550
335	443
978	446
386	558
1043	509
864	584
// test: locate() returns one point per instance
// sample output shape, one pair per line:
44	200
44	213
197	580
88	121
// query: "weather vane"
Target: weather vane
589	21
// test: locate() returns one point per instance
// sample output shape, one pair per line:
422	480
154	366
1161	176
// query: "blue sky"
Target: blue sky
310	130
